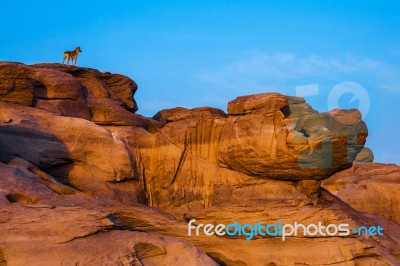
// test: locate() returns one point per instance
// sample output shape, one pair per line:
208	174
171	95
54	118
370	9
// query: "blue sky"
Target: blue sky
205	53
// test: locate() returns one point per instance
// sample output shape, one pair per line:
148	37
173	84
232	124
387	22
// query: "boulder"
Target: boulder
365	155
264	103
122	88
272	141
179	113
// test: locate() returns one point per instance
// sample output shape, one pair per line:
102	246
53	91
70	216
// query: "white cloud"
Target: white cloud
259	72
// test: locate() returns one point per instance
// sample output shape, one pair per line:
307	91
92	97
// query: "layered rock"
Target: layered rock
47	223
371	188
58	222
199	156
75	151
79	170
103	98
268	136
15	85
271	140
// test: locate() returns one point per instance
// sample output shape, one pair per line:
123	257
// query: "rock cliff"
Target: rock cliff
371	188
85	180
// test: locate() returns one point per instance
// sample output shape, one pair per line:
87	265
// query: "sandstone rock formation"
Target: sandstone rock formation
371	188
199	155
71	91
47	223
365	155
75	151
84	180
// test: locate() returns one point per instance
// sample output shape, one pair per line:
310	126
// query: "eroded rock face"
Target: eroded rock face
371	188
76	151
262	136
199	156
45	222
15	87
271	141
103	98
84	180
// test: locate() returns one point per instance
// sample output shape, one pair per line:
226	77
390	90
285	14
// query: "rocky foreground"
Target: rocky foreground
86	181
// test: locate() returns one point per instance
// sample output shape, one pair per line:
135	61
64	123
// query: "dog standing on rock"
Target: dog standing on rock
72	54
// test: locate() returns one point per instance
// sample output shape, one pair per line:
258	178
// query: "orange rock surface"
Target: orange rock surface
86	181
